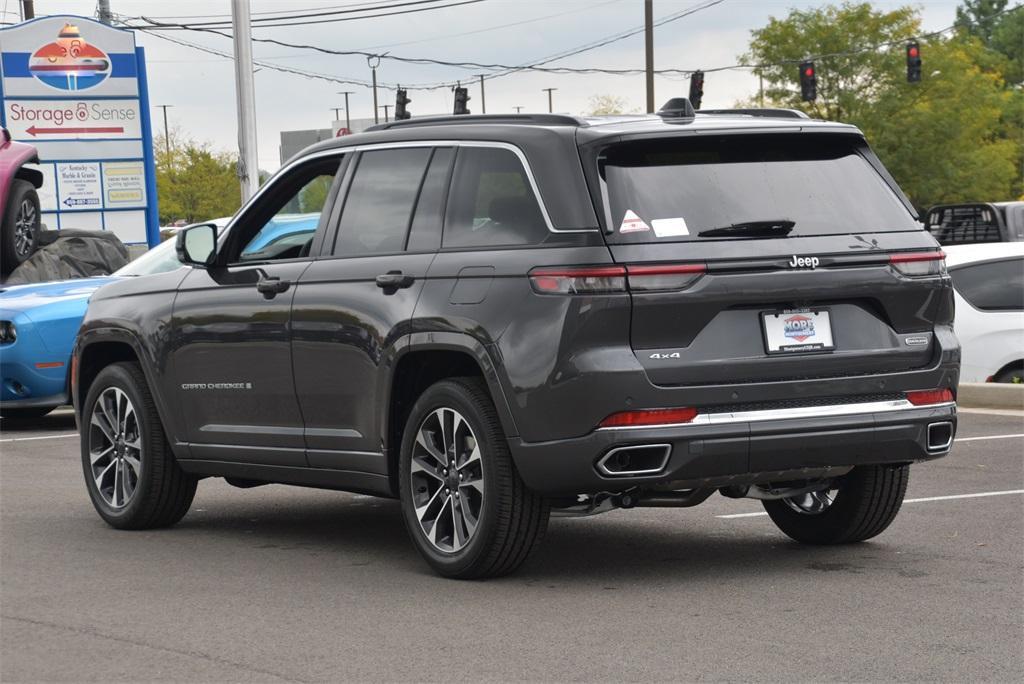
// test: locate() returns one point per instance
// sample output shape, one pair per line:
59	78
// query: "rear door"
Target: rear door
357	300
767	257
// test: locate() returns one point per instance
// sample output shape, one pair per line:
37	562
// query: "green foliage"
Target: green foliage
193	182
601	105
956	135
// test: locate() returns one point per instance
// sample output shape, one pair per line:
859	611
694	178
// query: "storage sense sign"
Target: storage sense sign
76	89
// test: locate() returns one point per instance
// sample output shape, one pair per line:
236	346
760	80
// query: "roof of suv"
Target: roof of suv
587	129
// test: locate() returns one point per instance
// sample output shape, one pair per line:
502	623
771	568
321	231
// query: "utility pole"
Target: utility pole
549	91
760	90
167	136
103	12
483	102
649	51
386	108
245	90
28	9
374	62
348	119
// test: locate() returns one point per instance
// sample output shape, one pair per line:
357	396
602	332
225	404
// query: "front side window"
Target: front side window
491	201
283	224
993	286
380	201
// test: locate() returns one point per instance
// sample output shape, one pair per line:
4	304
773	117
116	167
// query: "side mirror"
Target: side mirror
197	245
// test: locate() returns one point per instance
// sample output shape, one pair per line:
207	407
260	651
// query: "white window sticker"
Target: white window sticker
670	227
631	223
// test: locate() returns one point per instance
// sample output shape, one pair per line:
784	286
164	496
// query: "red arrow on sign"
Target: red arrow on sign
33	131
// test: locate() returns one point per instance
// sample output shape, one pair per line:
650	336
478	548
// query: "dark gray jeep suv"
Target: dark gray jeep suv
492	318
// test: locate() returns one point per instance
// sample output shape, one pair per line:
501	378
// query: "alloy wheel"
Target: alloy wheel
812	503
447	480
115	447
25	228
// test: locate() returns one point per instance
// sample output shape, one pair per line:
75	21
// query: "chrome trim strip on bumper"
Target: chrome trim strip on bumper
791	413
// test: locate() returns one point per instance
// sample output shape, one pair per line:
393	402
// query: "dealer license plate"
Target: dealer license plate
797	330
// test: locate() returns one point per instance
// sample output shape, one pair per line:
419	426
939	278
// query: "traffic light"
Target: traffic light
696	88
401	100
461	98
808	82
913	62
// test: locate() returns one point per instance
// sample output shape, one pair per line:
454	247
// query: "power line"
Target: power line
164	26
377	4
535	66
309	14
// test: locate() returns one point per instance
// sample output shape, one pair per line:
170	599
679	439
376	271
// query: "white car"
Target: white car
988	280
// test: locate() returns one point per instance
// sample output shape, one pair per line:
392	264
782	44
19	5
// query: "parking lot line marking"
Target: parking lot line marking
973	439
29	439
919	500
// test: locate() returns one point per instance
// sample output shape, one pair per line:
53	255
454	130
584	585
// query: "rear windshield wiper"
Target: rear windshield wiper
778	227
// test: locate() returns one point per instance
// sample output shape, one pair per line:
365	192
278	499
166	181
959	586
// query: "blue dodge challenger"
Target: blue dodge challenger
38	322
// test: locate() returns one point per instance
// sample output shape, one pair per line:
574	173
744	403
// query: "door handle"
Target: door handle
271	287
394	280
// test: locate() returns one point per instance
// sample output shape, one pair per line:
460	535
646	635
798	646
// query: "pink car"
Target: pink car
19	203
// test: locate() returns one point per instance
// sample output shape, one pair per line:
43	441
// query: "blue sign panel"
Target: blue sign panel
76	89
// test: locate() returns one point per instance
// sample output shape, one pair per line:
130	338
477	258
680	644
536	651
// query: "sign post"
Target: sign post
77	90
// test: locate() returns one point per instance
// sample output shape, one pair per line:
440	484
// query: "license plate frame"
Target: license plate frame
784	331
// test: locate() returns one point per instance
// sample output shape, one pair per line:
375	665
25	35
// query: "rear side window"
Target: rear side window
992	286
672	190
380	201
491	202
963	224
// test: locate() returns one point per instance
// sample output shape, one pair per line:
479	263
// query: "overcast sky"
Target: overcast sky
201	86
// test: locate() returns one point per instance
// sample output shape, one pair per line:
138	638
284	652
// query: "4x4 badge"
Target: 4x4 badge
803	262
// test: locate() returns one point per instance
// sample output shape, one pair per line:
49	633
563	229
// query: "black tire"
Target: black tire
868	499
512	519
1012	375
163	492
22	209
25	413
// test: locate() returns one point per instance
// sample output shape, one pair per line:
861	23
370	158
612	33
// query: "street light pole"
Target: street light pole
167	135
245	89
348	119
649	52
550	105
374	62
518	109
483	99
386	108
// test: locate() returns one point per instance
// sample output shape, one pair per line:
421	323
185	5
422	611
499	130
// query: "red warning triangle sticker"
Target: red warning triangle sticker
631	223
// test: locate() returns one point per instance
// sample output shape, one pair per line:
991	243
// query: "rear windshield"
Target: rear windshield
804	185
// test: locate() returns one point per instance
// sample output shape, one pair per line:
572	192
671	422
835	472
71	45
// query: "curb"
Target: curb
999	395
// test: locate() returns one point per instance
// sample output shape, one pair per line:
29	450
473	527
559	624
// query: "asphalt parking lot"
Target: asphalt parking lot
280	583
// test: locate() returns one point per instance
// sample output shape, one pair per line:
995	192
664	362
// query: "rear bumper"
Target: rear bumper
744	447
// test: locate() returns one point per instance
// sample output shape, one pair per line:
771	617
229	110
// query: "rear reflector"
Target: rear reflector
926	397
919	263
669	416
50	364
578	280
664	276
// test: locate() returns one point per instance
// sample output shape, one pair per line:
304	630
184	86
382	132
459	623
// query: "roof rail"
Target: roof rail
774	113
455	119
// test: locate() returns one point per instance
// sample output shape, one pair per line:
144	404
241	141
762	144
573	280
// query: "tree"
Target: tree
1001	30
979	17
847	81
601	105
953	136
193	182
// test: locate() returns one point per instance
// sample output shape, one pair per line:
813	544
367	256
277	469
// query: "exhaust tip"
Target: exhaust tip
633	461
940	436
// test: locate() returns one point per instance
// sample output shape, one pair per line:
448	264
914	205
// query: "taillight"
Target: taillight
934	396
579	280
919	263
664	276
645	417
